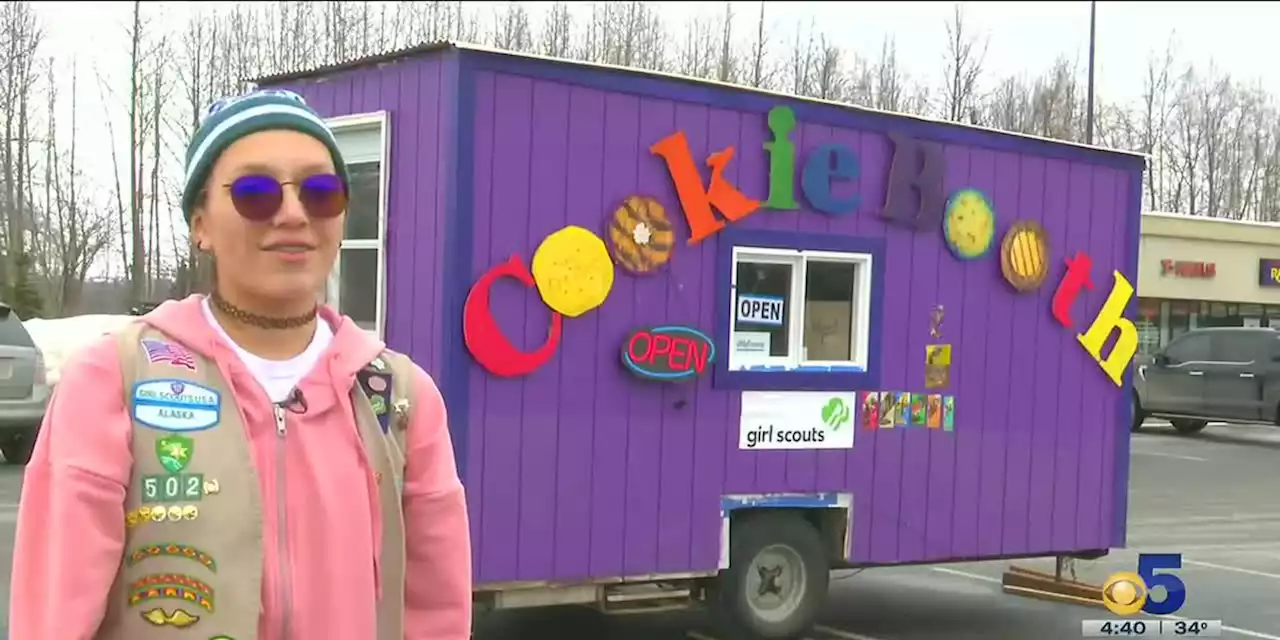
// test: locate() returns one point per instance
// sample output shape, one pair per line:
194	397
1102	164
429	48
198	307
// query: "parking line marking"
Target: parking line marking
1158	454
966	574
1223	567
698	636
843	635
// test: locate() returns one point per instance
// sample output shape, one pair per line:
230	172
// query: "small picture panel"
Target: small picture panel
934	411
948	413
870	409
888	409
917	410
937	366
903	416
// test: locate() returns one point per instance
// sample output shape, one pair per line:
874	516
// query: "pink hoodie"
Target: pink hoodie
71	520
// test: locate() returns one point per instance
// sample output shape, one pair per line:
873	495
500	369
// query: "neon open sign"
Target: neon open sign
669	353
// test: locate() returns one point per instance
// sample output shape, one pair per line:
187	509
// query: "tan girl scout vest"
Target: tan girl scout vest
192	566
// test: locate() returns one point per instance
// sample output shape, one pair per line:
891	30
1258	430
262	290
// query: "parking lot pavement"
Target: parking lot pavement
1212	497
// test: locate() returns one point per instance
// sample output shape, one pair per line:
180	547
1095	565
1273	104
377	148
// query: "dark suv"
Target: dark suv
1227	374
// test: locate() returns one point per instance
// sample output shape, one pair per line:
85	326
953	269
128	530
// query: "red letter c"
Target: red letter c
484	339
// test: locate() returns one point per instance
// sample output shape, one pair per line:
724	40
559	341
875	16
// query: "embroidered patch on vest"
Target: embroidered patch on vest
176	405
172	550
179	618
161	352
174	452
171	586
177	487
377	386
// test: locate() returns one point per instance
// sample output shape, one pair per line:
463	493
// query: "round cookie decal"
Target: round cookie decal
1024	255
640	235
969	225
572	271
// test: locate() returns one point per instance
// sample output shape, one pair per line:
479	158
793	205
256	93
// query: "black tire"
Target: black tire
1139	416
801	576
17	449
1188	427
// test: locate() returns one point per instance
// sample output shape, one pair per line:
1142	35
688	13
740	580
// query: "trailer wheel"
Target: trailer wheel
776	581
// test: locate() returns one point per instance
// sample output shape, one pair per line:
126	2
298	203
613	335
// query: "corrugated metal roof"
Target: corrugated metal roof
424	49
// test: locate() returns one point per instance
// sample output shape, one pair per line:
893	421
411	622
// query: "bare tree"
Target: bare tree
557	32
965	55
511	29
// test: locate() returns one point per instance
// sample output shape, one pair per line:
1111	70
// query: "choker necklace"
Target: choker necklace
264	322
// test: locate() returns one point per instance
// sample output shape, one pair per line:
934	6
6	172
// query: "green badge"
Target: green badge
174	452
379	405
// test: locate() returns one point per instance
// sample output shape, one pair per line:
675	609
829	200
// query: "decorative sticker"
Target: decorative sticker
669	353
174	452
171	550
918	416
888	409
171	586
176	405
969	225
935	322
870	409
573	271
162	352
937	366
948	413
1024	255
178	487
640	235
902	417
178	619
934	404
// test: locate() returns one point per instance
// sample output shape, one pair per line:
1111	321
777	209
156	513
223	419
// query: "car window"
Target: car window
12	333
1189	347
1236	346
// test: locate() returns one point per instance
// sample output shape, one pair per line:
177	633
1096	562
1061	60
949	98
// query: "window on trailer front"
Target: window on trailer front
799	309
356	284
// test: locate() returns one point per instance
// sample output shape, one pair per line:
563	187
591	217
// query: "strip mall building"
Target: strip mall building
1205	272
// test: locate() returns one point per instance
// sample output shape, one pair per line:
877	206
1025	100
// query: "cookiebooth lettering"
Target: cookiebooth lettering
176	405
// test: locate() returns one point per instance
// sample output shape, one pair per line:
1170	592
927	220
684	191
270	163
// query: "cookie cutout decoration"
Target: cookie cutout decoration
640	235
969	226
573	271
1024	255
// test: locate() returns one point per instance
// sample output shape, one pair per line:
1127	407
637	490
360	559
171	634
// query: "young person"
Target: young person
247	465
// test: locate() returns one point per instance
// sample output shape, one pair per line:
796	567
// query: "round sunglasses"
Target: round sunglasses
259	197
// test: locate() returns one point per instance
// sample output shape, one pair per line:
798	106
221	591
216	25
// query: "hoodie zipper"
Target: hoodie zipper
282	550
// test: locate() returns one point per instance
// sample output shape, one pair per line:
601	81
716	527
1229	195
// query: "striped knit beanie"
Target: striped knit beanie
230	119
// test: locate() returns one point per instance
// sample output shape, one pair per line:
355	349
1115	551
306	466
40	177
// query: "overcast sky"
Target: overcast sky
1023	37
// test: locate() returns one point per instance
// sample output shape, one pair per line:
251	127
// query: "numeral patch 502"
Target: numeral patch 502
178	487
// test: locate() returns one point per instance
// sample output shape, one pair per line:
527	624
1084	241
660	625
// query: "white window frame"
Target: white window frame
379	124
798	260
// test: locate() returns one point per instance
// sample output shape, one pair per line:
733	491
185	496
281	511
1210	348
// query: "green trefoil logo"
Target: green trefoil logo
835	414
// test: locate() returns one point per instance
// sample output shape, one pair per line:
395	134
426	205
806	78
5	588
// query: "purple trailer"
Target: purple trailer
705	343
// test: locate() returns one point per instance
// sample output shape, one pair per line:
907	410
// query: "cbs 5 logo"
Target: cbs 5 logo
1128	593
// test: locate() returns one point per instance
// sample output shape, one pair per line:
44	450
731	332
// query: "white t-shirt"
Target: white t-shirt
278	377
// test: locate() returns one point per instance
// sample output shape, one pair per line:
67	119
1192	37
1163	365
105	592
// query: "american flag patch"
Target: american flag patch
159	351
